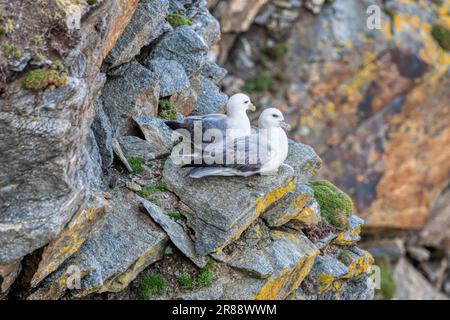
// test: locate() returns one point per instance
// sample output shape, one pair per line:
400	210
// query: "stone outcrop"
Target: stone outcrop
90	200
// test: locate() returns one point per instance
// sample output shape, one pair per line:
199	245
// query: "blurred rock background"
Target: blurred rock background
374	103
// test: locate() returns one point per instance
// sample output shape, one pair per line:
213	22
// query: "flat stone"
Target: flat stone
291	256
183	45
304	160
136	147
124	245
391	250
70	239
147	24
327	272
207	27
141	98
213	292
352	234
223	207
236	16
254	262
210	99
292	207
419	254
171	76
101	126
155	131
176	233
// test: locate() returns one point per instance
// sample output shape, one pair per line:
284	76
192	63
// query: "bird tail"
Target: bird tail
201	172
174	125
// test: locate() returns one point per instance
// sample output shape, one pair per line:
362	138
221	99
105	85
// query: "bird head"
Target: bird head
272	118
239	104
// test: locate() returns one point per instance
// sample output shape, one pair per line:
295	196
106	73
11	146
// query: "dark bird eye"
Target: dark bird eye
247	101
275	115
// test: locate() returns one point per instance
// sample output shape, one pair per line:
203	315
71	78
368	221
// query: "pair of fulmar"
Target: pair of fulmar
235	150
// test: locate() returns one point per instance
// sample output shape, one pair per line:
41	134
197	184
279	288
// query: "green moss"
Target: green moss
335	205
177	19
186	281
165	110
6	47
17	54
388	286
36	40
136	164
152	284
344	257
168	250
42	78
39	57
151	188
91	2
57	65
259	83
204	279
276	52
442	36
174	215
2	32
155	201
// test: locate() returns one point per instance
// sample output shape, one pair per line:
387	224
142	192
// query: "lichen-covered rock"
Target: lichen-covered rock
171	76
291	207
147	24
125	244
176	233
183	45
44	170
352	234
290	256
304	160
70	239
141	98
223	208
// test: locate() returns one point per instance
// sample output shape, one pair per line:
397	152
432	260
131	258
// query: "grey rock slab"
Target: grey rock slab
125	244
207	27
304	160
101	126
214	72
223	207
136	147
171	76
47	167
155	131
418	253
147	24
133	90
352	234
176	233
210	99
183	45
253	261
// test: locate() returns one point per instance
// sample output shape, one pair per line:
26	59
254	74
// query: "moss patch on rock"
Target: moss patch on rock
165	110
335	205
259	83
276	52
42	78
388	286
136	164
152	284
442	36
177	19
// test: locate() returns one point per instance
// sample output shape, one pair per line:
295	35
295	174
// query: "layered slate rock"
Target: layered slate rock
352	234
47	168
171	76
221	209
124	245
147	24
8	273
132	90
281	266
185	46
70	239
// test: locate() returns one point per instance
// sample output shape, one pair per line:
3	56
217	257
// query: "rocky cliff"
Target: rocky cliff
91	207
373	102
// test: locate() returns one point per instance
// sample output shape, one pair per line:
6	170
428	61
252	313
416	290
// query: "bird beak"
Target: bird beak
251	107
285	125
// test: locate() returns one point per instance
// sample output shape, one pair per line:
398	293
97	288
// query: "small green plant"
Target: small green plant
168	250
205	278
276	52
177	19
91	2
42	78
2	31
39	57
165	110
344	257
36	40
155	201
152	284
136	164
186	281
335	205
17	54
7	47
151	188
442	36
174	215
388	286
259	83
9	26
57	65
